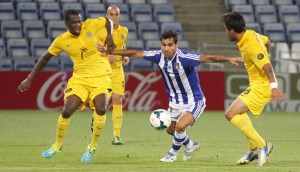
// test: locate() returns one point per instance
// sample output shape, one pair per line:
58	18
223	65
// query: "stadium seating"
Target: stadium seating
282	2
132	30
173	25
266	14
39	46
157	2
141	13
164	13
259	2
11	29
184	45
7	11
153	45
94	10
246	11
288	14
24	63
293	32
55	28
134	2
283	59
230	3
2	49
148	31
135	44
295	51
275	32
254	26
33	29
6	64
53	64
91	1
124	10
76	6
17	47
27	11
66	64
113	1
50	11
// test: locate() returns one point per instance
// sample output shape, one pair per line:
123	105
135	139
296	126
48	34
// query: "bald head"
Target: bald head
113	13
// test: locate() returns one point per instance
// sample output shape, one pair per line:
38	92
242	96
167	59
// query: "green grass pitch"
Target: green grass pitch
24	135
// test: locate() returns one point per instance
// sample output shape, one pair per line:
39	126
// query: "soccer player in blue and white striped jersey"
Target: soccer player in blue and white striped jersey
186	99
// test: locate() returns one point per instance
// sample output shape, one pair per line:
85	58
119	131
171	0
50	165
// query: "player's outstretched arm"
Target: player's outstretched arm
25	84
207	58
127	52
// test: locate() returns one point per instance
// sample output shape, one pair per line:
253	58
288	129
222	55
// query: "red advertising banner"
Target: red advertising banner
144	90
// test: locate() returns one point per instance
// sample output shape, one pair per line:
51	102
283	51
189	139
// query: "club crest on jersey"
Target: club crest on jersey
176	66
89	34
260	56
68	90
123	37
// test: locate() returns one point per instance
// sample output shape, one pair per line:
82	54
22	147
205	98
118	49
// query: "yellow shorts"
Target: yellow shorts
88	88
118	82
256	97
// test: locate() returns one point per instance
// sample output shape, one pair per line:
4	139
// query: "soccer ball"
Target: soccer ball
160	119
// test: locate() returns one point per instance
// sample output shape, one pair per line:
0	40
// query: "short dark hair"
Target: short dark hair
69	13
169	34
234	20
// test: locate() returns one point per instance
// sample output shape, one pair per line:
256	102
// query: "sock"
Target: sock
178	139
251	144
245	126
188	142
99	122
117	117
62	126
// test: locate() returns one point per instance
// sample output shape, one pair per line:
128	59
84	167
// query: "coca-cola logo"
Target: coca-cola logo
54	86
143	97
142	91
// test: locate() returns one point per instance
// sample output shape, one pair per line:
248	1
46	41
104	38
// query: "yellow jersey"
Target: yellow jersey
255	56
119	37
82	49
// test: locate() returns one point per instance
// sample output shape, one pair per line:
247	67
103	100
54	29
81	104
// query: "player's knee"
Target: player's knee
66	113
228	116
101	110
170	131
180	127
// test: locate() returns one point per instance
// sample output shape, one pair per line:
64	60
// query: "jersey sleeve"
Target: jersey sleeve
189	59
54	48
258	56
153	56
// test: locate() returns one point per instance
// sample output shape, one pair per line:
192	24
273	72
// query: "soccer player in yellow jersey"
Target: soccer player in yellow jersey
263	86
117	77
90	78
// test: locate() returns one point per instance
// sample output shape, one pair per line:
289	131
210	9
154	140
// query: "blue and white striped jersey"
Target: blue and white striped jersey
180	75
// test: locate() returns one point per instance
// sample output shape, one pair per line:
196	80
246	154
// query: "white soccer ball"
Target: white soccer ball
160	119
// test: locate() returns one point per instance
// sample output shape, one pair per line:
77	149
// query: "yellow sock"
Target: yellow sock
62	126
99	122
247	129
117	117
252	144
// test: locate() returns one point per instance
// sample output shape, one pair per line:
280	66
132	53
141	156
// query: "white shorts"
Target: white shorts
196	108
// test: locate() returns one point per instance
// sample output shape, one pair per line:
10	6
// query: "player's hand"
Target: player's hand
111	59
102	49
24	86
277	95
235	60
126	60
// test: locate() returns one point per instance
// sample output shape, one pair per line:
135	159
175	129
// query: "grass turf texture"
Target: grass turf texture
26	134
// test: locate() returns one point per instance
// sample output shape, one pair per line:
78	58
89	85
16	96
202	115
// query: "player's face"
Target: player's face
230	34
113	14
168	48
74	24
